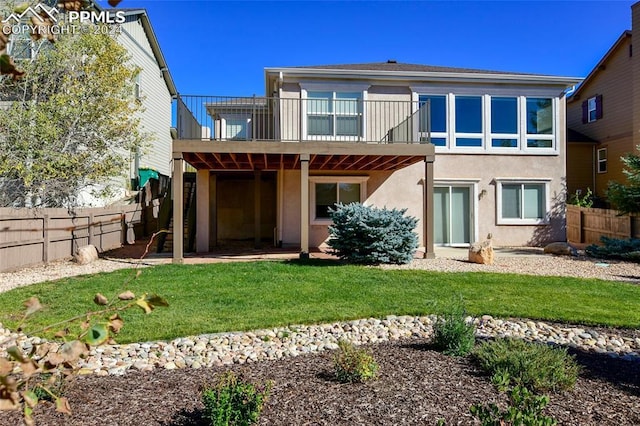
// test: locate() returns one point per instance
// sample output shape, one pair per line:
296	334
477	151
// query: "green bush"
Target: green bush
537	367
525	409
452	334
616	249
369	235
353	365
232	401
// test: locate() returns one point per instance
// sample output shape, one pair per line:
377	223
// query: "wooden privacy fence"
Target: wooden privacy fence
586	225
30	237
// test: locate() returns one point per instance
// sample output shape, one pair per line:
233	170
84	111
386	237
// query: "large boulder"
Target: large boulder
481	252
86	255
560	248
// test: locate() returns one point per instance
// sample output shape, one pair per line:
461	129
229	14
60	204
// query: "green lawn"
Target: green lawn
244	296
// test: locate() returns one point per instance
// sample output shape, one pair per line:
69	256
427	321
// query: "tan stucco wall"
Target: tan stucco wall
402	189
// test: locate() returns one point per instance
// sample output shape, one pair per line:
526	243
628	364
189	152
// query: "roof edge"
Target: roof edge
595	69
438	75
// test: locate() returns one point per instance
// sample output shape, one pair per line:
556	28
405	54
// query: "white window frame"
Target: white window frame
601	160
522	181
554	127
475	197
522	149
591	108
481	135
362	180
516	136
306	87
440	135
234	117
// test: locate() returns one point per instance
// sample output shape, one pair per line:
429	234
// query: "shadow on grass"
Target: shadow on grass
315	262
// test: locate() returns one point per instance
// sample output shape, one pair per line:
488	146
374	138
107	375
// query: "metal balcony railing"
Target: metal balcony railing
255	118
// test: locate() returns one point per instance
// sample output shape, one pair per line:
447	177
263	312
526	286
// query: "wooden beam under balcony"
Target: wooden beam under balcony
329	156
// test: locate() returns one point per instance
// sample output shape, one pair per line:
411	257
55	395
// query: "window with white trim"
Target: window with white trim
334	114
504	122
602	160
436	119
327	191
540	118
490	123
469	121
522	202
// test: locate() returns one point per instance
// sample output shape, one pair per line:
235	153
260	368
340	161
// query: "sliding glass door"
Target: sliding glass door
452	214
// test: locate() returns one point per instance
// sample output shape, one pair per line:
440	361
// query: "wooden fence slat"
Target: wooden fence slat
587	225
51	234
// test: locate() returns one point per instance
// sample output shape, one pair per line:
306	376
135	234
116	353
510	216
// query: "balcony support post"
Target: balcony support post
178	209
203	217
427	231
257	208
304	206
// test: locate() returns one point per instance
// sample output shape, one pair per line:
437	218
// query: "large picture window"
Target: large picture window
522	202
334	114
327	191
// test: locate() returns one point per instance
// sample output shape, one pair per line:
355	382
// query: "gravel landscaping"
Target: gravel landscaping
159	383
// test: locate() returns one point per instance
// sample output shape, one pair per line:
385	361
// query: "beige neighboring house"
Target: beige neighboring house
467	152
154	87
603	117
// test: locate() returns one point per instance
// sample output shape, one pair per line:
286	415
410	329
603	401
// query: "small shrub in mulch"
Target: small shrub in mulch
353	365
539	368
233	401
452	334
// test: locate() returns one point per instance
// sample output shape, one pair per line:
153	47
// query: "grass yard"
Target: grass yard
243	296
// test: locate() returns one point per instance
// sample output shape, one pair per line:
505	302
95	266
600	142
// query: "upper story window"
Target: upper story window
492	124
468	121
592	109
436	119
236	129
540	118
504	122
334	114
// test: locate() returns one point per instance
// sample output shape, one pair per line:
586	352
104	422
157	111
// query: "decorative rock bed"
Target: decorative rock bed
270	344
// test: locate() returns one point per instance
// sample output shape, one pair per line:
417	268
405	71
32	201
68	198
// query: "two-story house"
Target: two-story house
467	152
603	117
154	88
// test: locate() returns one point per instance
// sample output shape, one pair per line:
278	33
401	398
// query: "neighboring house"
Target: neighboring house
154	87
603	117
270	167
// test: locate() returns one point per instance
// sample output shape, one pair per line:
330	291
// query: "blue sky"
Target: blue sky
221	47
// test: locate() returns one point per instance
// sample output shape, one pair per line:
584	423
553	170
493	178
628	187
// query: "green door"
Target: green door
452	215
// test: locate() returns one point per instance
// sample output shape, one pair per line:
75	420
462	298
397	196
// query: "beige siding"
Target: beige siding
615	86
156	119
580	167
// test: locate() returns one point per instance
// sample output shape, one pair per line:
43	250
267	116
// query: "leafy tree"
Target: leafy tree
69	123
626	198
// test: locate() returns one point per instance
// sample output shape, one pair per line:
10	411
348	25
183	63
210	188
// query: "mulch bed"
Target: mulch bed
416	385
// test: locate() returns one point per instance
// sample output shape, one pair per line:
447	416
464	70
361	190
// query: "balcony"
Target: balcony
264	119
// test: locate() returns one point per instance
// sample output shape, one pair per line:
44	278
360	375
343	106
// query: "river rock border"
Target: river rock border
272	344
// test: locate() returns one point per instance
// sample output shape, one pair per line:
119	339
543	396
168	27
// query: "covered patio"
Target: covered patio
308	158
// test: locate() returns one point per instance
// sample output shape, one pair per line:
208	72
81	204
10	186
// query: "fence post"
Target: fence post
45	238
580	233
91	242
